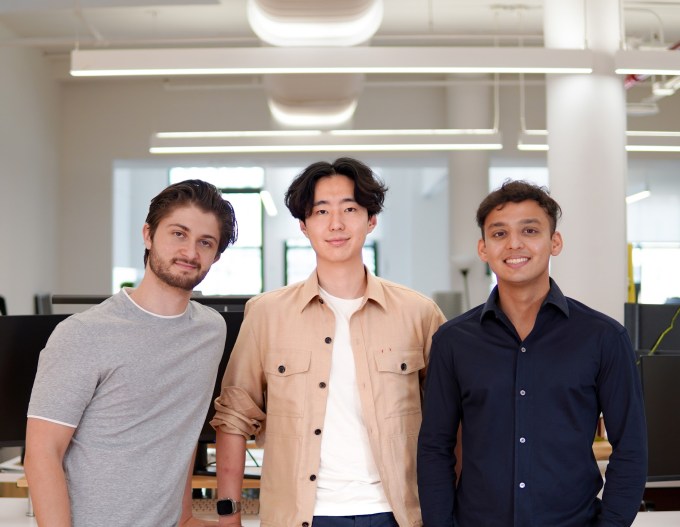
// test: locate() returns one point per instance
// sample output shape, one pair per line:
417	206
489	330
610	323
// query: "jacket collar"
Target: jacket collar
310	291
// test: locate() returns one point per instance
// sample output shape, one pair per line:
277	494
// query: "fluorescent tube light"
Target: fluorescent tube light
317	60
636	141
653	141
662	62
318	141
638	196
533	140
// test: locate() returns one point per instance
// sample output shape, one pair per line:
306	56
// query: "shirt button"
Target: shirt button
282	369
522	485
312	477
403	366
322	385
523	349
328	340
317	431
522	392
522	440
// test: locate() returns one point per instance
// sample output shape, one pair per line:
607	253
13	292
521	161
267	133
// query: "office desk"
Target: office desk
13	514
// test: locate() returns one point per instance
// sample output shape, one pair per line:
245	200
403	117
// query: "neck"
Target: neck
342	281
521	305
159	298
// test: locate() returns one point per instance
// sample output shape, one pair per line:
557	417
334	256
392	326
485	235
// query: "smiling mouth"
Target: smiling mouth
516	261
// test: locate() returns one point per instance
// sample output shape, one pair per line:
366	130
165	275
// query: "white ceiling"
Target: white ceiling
56	26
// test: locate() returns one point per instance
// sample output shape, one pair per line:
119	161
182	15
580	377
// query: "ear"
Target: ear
303	228
557	244
372	222
481	250
217	256
146	234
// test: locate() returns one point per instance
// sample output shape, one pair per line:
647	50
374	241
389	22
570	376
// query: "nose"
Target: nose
189	250
336	223
515	240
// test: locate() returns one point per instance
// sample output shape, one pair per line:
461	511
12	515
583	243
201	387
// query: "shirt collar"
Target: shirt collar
310	290
555	297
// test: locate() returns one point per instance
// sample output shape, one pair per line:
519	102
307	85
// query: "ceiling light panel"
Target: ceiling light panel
320	141
316	60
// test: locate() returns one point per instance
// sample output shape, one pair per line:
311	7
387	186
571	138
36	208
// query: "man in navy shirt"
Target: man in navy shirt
526	376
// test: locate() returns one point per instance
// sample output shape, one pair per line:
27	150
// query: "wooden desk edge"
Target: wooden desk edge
197	482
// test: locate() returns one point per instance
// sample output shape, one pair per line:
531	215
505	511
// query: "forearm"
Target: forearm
231	454
48	491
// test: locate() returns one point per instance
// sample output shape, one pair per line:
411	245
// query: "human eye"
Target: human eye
320	212
351	209
178	234
497	234
208	244
531	230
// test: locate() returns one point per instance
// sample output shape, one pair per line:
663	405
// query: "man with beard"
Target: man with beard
122	389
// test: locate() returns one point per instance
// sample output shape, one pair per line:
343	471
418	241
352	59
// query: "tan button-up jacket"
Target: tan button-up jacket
277	379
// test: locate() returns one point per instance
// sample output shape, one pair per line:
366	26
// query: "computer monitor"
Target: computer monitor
646	322
233	320
22	337
661	388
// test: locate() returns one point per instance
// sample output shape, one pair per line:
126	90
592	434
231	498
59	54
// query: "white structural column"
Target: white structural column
586	117
469	106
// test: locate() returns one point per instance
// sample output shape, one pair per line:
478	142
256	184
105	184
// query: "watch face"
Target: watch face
227	507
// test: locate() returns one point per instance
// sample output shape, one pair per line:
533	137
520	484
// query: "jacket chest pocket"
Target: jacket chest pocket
399	379
287	381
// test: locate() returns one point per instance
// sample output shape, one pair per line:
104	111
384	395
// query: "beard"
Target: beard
163	271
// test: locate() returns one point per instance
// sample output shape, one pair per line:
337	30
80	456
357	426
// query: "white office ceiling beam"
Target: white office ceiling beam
273	60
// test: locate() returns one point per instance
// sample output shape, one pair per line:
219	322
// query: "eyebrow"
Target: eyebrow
326	202
187	229
527	221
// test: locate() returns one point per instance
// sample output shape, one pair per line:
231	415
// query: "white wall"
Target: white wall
29	170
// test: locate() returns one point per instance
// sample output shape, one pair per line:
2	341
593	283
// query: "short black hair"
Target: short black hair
369	189
516	192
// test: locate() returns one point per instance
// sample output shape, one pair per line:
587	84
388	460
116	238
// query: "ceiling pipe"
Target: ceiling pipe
634	79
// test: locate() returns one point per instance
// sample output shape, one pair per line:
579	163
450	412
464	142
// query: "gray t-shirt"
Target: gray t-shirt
136	387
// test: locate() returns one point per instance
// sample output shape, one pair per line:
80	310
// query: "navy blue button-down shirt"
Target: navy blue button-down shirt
529	410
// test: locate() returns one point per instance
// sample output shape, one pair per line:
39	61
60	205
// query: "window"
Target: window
655	272
240	269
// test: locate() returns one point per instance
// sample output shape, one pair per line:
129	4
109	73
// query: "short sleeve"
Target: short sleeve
67	376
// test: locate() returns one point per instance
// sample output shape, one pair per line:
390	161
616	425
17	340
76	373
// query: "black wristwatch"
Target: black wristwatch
227	507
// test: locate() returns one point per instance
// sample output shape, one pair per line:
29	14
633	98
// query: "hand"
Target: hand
195	522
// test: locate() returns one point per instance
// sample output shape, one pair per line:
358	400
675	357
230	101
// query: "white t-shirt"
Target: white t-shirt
348	482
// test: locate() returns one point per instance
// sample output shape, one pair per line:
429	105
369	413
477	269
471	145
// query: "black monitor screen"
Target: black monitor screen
647	322
22	337
234	320
661	388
